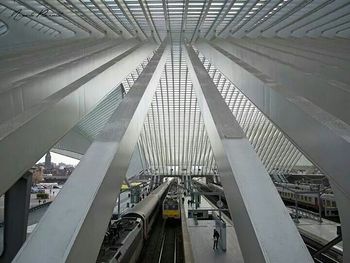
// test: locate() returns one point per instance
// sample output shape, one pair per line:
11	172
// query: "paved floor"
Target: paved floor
33	201
201	239
322	232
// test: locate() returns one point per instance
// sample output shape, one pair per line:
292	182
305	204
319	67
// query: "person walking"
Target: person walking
216	237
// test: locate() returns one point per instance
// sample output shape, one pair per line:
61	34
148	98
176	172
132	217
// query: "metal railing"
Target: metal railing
298	212
32	209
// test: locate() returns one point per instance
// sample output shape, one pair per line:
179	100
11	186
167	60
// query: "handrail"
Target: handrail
32	209
305	213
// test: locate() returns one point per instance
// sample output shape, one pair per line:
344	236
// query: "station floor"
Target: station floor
201	232
201	239
33	201
322	232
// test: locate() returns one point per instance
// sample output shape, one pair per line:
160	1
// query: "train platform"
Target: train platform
322	232
200	237
33	201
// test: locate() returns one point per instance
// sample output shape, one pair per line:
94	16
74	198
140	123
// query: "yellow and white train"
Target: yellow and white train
171	203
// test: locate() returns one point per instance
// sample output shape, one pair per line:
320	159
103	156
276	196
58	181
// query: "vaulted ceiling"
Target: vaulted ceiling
192	18
174	139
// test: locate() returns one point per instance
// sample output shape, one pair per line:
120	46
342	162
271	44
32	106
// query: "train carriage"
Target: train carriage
310	200
125	237
171	203
171	207
148	208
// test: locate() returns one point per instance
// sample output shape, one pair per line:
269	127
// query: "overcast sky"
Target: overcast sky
58	158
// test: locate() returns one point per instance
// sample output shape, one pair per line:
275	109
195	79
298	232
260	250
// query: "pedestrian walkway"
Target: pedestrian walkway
33	201
201	238
322	232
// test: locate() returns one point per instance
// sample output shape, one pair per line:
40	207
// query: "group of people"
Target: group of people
44	201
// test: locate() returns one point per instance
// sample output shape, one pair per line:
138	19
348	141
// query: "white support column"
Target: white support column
25	138
75	223
73	142
320	136
264	228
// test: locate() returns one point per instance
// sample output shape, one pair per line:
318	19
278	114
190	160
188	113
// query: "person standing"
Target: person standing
216	237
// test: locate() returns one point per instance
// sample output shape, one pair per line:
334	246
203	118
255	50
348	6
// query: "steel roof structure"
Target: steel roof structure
279	66
174	119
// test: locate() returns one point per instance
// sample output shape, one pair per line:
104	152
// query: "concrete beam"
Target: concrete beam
264	228
75	223
329	90
25	65
320	136
109	29
91	27
27	137
113	18
73	142
20	95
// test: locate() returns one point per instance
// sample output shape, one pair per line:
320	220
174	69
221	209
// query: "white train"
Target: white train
125	237
310	200
286	191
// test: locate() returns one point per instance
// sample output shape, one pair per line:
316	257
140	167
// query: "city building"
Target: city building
48	163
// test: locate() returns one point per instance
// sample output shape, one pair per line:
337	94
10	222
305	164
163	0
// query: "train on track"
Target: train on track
307	196
308	199
125	237
171	203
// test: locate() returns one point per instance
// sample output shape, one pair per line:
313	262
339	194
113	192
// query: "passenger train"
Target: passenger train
286	191
171	203
308	199
125	237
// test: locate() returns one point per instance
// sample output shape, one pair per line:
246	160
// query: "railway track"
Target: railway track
164	244
331	256
171	250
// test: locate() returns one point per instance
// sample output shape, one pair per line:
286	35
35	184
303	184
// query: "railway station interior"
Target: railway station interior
197	131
